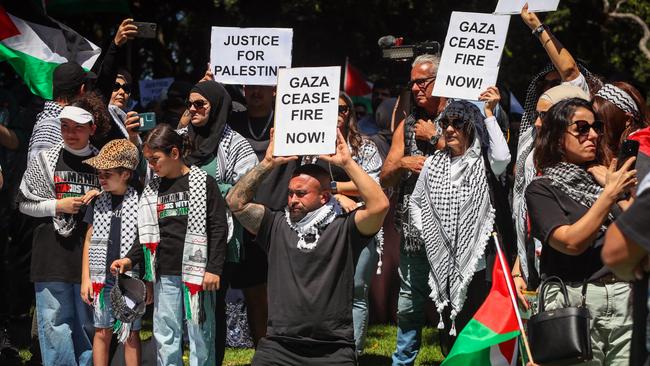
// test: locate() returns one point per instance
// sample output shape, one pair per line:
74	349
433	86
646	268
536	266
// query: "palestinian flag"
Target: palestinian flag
490	338
354	83
642	163
34	44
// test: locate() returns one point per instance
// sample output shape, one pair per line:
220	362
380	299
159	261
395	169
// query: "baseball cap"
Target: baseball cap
76	114
120	153
70	75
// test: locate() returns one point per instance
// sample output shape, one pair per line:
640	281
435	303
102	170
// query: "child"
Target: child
112	231
183	231
55	187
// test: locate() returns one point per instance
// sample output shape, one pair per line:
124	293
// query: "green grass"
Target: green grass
380	345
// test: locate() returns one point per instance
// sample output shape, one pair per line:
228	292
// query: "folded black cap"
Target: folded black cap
70	75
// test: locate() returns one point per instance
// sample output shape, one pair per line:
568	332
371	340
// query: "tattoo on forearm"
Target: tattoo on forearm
250	217
245	189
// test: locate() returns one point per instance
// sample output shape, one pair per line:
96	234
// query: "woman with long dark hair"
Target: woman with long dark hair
569	213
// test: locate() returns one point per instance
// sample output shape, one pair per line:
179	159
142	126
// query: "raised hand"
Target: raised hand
276	160
530	18
342	155
491	97
126	32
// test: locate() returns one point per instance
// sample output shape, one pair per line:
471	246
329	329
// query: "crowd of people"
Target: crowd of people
200	204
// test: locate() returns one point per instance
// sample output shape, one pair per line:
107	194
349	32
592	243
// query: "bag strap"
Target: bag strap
546	283
584	294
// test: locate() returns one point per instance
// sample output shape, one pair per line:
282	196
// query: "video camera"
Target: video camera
394	49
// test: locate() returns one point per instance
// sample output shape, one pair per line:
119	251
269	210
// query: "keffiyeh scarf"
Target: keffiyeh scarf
457	225
619	98
99	243
37	185
195	247
47	129
576	183
310	227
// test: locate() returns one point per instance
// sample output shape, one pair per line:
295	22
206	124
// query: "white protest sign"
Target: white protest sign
249	55
153	89
535	6
471	55
306	111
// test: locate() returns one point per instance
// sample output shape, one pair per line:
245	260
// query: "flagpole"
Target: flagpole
513	298
345	75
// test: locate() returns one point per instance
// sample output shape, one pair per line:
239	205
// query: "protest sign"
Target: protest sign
249	55
153	89
535	6
471	56
306	111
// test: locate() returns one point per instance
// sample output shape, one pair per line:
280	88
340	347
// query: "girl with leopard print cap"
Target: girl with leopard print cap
112	231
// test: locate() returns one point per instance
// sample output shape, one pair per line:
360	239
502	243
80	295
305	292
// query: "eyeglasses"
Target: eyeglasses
422	83
126	87
540	115
344	109
456	123
198	104
583	127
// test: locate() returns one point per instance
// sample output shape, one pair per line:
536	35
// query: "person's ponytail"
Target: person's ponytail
164	138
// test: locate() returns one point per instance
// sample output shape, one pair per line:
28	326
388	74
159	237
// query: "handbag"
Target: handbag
561	336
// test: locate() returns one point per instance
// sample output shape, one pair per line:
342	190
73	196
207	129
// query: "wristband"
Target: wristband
537	31
434	140
333	186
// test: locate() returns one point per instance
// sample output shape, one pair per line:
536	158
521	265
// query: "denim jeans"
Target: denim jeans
366	267
414	291
104	318
611	319
168	317
65	327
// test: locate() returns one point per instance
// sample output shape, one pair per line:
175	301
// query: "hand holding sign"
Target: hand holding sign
530	18
342	156
514	6
491	97
276	160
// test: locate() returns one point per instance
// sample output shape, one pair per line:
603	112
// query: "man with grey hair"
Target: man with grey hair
414	139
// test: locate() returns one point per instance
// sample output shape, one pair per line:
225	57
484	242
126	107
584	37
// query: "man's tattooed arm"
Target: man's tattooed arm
240	196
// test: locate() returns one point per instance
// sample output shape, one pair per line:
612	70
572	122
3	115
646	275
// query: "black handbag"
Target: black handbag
561	336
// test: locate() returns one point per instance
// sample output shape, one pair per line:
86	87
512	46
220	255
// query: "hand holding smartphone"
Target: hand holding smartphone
145	29
628	149
147	121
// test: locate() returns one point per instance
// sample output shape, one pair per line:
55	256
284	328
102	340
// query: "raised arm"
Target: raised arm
498	152
370	218
391	171
560	56
240	196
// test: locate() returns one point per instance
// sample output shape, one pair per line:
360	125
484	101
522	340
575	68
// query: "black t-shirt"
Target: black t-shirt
115	233
173	208
549	208
310	293
54	257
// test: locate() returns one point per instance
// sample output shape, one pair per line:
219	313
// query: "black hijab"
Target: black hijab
206	138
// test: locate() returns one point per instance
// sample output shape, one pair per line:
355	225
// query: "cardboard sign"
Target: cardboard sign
153	89
249	56
471	56
535	6
306	111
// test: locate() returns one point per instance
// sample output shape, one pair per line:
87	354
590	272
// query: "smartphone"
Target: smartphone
146	30
629	148
147	121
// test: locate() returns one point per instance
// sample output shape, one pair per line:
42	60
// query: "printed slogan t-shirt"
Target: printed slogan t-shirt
54	257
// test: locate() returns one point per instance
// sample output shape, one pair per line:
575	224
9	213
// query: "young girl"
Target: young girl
112	230
55	187
183	232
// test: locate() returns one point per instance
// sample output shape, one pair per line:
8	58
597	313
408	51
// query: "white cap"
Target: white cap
76	114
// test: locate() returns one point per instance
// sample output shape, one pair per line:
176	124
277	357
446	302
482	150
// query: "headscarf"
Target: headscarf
206	138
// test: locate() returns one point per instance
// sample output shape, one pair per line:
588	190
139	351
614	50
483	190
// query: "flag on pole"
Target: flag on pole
354	83
36	45
490	337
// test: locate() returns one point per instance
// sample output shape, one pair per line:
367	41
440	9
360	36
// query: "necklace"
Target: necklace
266	127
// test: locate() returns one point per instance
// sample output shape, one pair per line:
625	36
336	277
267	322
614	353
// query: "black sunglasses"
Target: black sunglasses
583	127
198	104
344	109
421	83
126	87
456	123
540	115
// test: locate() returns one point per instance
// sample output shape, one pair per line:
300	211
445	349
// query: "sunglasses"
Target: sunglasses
344	109
198	104
539	115
422	83
583	127
456	123
126	87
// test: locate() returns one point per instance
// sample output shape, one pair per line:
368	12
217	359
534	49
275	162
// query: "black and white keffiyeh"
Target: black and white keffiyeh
37	185
47	129
309	228
195	247
524	173
119	119
99	240
619	98
457	218
576	183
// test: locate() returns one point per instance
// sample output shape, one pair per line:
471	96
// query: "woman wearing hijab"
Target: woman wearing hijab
225	155
453	209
